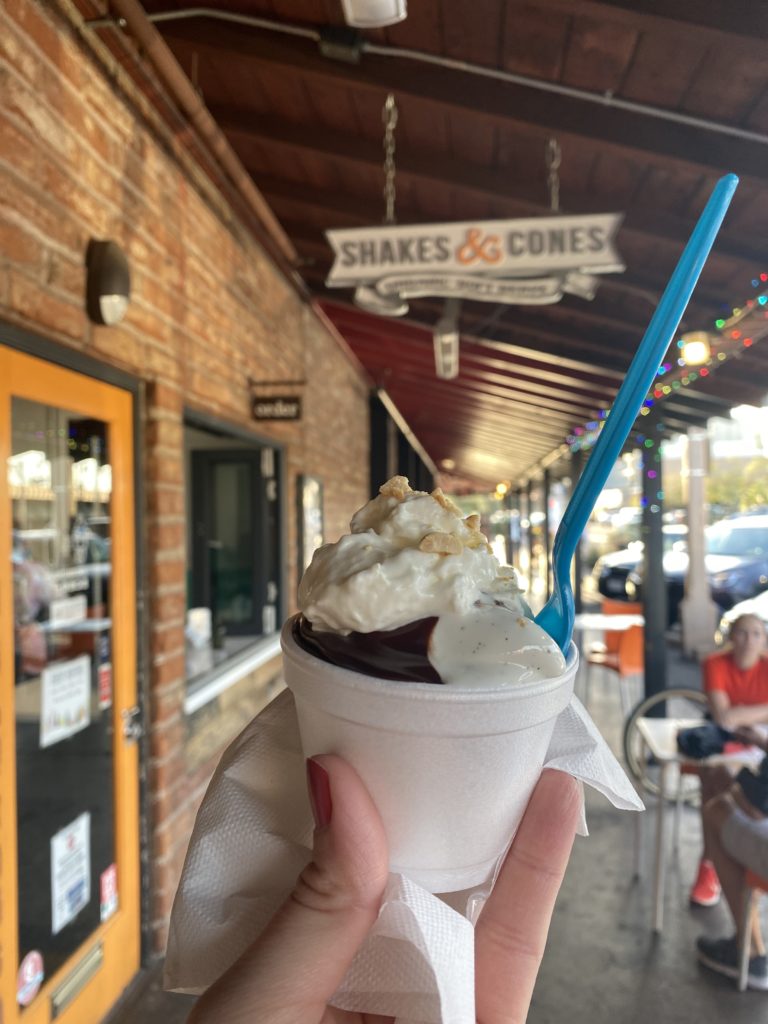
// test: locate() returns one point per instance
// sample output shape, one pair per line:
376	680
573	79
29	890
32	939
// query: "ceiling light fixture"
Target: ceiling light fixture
373	13
696	348
446	341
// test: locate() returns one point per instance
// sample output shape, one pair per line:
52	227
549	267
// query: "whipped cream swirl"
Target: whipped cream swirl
411	556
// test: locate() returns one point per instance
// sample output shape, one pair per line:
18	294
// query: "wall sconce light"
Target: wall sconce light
695	349
108	282
373	13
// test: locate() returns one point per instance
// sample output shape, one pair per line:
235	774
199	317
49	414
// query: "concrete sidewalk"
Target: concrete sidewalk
145	1002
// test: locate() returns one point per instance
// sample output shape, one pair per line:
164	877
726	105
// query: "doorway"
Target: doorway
69	764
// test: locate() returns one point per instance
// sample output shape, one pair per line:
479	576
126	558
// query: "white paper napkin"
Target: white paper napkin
253	836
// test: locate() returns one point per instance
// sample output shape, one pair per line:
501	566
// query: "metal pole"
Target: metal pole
379	444
545	524
529	534
654	586
515	529
577	464
698	612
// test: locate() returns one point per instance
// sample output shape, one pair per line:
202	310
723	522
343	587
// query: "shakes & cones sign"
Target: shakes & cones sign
533	261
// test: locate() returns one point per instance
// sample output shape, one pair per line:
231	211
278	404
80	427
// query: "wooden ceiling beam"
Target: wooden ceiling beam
743	23
388	360
466	423
473	433
490	100
711	404
524	408
523	403
500	467
375	351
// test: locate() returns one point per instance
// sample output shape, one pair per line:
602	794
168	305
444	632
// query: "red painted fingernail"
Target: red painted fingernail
319	793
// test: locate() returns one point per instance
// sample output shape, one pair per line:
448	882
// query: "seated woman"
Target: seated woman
736	684
736	833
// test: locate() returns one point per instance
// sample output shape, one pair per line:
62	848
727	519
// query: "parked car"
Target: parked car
736	563
752	606
611	571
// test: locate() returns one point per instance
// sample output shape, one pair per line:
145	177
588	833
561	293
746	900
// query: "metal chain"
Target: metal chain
389	117
554	158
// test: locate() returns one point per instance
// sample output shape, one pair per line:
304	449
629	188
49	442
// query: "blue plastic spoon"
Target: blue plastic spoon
556	617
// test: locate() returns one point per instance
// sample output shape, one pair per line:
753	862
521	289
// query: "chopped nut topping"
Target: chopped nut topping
477	540
473	522
396	487
445	501
441	544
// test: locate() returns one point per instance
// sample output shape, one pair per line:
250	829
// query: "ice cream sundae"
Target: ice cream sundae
414	593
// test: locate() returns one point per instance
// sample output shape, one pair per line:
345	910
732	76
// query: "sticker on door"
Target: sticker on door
108	891
29	978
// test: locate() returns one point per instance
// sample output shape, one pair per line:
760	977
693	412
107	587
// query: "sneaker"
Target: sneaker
722	955
706	888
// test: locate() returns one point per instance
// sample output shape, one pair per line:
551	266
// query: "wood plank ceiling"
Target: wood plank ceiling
657	98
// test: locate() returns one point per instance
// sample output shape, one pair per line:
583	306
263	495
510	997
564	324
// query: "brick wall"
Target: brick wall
83	155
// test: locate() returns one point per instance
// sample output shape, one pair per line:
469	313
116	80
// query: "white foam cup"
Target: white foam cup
450	770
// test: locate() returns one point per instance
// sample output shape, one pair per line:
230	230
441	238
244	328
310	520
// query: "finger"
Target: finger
512	930
292	970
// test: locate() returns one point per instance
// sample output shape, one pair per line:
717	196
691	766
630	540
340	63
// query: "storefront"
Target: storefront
153	520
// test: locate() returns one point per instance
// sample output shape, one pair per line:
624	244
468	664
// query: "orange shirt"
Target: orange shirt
742	686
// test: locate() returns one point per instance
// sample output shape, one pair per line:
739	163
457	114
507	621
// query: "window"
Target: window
233	548
738	541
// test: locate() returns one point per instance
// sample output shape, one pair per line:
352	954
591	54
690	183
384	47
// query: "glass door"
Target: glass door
69	791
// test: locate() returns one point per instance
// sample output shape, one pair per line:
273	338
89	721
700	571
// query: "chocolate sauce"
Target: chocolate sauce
399	654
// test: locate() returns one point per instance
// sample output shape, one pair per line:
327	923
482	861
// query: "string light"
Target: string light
728	343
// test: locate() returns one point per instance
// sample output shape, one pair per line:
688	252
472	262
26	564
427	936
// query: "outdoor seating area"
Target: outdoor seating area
605	960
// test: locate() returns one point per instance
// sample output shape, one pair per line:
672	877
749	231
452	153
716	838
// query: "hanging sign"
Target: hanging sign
277	407
530	261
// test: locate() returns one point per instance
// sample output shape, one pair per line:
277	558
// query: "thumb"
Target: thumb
288	975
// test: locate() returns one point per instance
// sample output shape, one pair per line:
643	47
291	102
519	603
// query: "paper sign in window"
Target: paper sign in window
66	700
67	611
70	872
